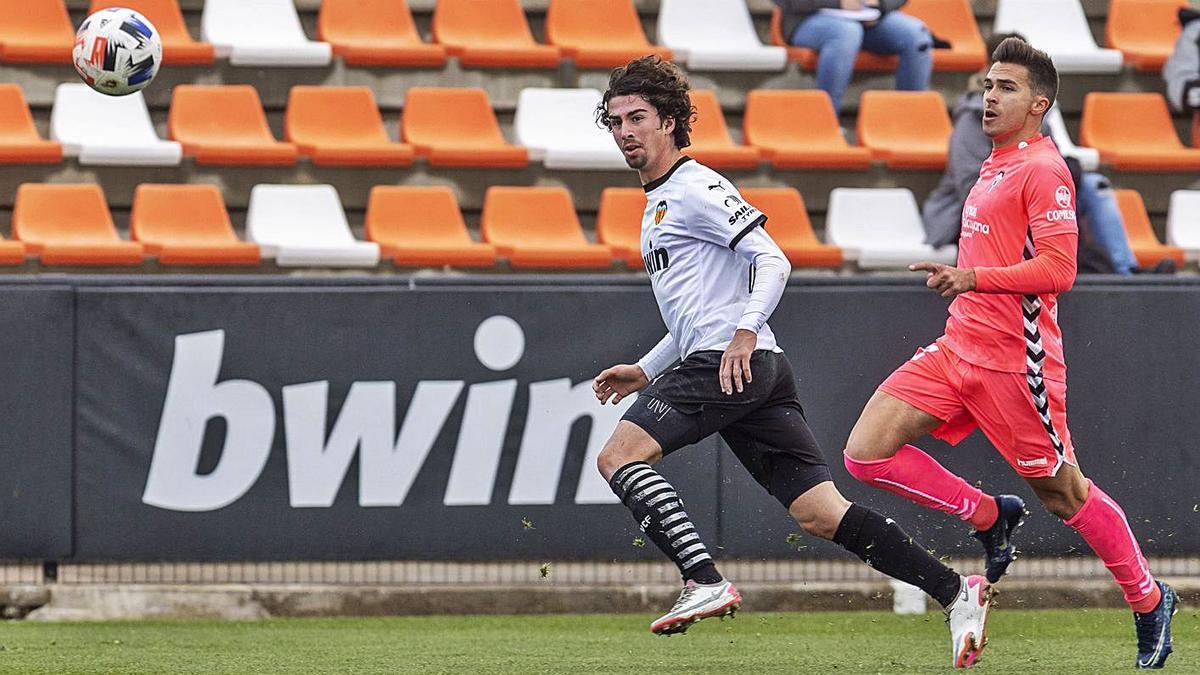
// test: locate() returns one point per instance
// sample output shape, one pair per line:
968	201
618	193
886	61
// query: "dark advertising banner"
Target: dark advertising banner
35	436
364	422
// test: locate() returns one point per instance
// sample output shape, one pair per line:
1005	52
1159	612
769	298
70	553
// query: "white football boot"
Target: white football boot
698	601
967	617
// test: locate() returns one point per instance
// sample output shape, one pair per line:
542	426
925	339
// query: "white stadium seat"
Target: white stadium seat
880	228
1183	222
558	127
1060	28
1089	158
260	33
303	226
715	35
108	130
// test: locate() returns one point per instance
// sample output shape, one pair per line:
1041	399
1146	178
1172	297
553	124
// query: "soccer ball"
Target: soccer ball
117	51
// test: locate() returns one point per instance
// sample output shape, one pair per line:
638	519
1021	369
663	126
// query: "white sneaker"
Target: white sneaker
698	601
967	617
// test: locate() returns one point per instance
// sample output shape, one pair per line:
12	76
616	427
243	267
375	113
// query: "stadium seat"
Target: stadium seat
179	49
66	224
423	227
1145	244
799	130
1144	30
558	127
187	225
108	130
711	142
490	34
375	33
305	226
19	140
1183	222
1150	144
225	124
572	26
1089	158
260	33
905	129
880	228
1060	28
950	20
457	127
619	223
35	31
715	35
536	227
789	226
341	126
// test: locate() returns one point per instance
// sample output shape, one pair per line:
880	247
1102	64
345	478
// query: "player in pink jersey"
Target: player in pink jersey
1000	364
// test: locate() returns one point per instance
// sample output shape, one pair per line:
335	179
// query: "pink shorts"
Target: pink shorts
1024	416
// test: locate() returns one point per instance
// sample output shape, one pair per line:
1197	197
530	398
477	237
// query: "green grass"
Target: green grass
1059	641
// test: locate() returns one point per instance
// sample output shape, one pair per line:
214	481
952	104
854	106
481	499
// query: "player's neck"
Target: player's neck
650	173
1026	133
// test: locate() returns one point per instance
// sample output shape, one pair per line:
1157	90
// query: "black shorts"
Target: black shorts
763	424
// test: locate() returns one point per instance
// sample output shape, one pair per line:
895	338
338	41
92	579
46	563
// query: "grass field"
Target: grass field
1074	641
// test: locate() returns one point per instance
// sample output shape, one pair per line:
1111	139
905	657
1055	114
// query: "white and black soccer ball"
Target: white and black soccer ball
117	51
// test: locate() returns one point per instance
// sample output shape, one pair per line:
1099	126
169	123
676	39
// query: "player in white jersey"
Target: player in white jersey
717	276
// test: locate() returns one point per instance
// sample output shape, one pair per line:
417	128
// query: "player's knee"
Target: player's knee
820	524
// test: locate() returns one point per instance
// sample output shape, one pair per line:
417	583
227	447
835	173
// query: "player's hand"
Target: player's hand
735	362
618	382
948	281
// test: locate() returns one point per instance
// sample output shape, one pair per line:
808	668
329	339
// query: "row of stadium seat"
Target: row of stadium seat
343	126
706	34
530	227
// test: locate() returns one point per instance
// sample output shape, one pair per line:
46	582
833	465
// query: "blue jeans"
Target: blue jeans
1098	204
838	42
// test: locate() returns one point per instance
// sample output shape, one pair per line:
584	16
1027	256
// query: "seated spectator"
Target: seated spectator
1182	69
838	29
1100	222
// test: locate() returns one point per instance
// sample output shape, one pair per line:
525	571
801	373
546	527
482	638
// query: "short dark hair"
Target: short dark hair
662	84
1043	76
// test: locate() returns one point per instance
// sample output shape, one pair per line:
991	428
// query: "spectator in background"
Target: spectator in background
1101	225
838	29
1182	69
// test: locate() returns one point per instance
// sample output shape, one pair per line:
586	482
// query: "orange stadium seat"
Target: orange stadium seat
457	127
1150	144
423	227
711	142
19	140
341	126
536	227
1144	30
949	20
1145	244
179	49
187	225
375	33
490	34
799	130
905	129
225	124
619	223
35	31
572	26
789	226
70	225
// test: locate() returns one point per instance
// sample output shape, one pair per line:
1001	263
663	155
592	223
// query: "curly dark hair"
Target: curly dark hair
662	84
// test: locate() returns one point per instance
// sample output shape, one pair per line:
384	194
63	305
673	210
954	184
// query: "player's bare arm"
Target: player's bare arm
947	280
619	381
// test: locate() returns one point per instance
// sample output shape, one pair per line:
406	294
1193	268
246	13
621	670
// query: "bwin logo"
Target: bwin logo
656	260
389	460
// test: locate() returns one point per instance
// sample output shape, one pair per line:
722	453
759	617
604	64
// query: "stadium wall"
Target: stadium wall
230	418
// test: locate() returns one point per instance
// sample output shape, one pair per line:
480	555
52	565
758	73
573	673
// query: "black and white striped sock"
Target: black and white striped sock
658	510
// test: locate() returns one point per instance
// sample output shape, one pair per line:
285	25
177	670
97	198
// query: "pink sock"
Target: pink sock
1103	525
916	476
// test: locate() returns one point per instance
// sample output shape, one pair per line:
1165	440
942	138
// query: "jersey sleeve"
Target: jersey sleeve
1049	197
719	215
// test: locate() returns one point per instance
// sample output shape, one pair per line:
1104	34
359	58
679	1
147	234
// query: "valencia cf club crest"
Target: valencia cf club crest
995	181
660	212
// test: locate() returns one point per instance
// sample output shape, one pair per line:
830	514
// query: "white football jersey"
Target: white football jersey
692	225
